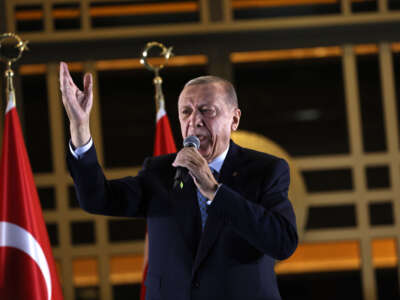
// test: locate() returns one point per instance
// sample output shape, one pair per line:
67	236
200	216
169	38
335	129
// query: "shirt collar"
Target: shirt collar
216	164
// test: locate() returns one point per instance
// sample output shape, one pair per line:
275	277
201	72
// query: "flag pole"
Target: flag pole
159	96
10	91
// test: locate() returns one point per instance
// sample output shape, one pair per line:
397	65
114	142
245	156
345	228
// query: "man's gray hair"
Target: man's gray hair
230	92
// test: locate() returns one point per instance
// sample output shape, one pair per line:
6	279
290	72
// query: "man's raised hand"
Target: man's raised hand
78	105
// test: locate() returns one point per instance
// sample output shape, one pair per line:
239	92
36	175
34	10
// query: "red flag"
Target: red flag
27	268
163	144
164	141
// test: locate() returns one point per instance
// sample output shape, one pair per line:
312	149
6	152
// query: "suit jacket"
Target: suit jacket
250	224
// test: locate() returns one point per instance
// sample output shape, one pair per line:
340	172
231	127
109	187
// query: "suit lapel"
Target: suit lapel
186	212
214	224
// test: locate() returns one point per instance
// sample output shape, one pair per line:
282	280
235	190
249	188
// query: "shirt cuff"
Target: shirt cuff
210	201
80	151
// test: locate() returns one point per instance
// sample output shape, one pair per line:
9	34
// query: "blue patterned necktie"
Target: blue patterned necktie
203	208
203	203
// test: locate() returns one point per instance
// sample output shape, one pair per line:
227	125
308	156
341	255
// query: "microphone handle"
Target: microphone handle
181	176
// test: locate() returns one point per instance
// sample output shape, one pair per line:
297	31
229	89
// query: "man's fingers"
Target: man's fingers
61	76
87	83
189	158
77	104
88	89
64	85
193	176
68	76
69	96
181	160
65	76
68	88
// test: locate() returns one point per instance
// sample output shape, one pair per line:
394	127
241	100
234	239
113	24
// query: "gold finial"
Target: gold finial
12	41
165	52
11	49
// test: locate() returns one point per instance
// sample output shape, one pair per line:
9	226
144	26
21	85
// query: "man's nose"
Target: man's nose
196	119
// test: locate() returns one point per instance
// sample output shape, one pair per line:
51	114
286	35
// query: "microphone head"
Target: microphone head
192	141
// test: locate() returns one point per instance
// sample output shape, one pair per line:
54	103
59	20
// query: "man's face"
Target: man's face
204	112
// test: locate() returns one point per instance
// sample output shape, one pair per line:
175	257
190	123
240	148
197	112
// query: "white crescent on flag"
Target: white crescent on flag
161	113
12	235
10	102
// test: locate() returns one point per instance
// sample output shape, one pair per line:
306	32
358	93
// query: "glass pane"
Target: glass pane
66	16
36	122
378	177
331	216
52	230
371	103
72	200
309	270
82	232
384	252
386	270
394	4
381	213
363	5
325	285
328	180
87	293
47	198
388	283
396	70
86	271
126	268
243	9
29	18
132	12
126	291
298	103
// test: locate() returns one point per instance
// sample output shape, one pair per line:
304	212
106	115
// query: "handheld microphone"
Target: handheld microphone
182	174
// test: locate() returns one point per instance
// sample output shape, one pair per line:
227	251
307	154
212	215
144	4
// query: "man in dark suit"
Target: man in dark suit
209	239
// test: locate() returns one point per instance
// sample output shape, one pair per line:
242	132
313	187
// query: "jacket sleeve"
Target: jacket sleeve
96	194
270	224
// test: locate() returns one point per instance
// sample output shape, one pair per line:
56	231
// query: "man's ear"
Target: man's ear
236	119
